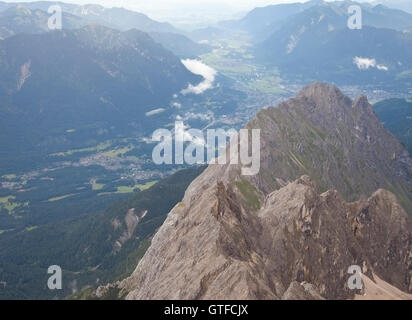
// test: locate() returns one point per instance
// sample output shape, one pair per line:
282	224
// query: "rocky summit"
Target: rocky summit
333	191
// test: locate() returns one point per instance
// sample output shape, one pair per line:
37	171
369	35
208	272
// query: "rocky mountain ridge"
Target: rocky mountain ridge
293	230
221	251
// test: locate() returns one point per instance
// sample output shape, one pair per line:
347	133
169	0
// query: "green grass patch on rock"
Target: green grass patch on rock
249	193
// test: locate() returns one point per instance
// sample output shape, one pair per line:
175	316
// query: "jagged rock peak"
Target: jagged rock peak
340	143
324	96
361	102
293	230
319	89
237	254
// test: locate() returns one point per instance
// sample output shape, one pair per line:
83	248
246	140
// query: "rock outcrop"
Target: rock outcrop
339	143
221	250
316	208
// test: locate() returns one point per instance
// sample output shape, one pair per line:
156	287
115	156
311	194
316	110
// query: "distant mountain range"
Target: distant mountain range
117	18
262	22
79	78
369	55
20	19
32	18
312	41
317	43
405	5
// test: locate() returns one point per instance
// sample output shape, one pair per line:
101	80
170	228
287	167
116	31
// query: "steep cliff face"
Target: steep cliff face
300	244
280	234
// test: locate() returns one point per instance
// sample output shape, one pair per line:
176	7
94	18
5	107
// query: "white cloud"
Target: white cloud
153	112
366	63
176	105
382	67
199	68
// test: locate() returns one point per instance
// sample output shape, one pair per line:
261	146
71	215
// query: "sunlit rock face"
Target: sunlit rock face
317	207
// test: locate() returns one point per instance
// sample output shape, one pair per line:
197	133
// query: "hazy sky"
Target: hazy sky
188	11
239	5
